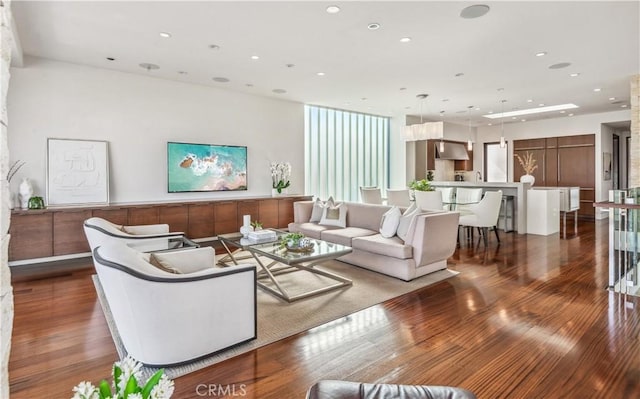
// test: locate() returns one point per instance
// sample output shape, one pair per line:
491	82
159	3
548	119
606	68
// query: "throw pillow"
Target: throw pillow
390	221
405	220
163	264
318	208
335	215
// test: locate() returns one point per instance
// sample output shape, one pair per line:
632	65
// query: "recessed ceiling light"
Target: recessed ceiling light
333	9
575	74
182	72
457	75
110	59
407	107
541	54
403	88
523	120
279	91
214	47
560	65
220	80
373	26
249	85
612	99
491	112
364	98
532	111
597	89
474	11
513	117
570	115
624	106
255	57
562	112
444	100
148	66
320	73
477	108
165	34
405	40
490	124
529	100
290	65
541	105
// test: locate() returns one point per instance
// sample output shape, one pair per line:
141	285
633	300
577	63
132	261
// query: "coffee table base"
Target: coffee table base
270	271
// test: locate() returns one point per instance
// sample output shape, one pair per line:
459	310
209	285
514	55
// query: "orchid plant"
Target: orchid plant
126	375
280	174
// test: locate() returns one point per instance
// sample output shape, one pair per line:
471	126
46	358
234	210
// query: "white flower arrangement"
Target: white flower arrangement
280	174
126	375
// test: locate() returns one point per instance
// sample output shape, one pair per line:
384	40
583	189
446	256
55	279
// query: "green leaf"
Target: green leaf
153	381
105	389
132	386
117	374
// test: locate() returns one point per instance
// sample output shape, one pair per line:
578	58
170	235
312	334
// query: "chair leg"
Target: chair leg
485	232
495	230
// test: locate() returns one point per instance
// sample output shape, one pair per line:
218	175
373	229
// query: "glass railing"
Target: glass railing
624	239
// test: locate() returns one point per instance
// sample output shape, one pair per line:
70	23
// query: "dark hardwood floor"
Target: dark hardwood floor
530	318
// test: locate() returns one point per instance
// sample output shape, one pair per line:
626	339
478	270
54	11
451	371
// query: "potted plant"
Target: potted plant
280	174
256	225
425	196
295	242
421	185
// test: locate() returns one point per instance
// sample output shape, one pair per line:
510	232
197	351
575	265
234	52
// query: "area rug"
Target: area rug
278	320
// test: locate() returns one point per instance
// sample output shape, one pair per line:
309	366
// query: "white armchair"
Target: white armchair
484	214
144	237
428	200
398	197
166	319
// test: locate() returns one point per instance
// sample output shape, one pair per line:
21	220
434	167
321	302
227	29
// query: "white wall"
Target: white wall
138	115
564	126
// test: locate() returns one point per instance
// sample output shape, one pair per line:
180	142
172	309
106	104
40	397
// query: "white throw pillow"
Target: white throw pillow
335	215
318	208
405	220
390	221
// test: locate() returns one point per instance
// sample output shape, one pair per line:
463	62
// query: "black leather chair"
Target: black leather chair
332	389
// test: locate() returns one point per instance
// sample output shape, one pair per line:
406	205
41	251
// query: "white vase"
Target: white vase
528	179
25	191
245	230
275	193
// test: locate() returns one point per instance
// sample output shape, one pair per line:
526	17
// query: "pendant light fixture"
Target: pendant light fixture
469	142
502	141
442	137
419	131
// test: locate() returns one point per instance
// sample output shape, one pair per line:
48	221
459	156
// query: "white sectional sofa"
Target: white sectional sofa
431	239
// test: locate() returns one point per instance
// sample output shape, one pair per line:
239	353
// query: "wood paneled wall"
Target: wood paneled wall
52	232
562	161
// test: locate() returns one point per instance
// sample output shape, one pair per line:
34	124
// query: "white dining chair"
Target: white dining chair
484	215
371	195
447	196
465	197
399	197
428	200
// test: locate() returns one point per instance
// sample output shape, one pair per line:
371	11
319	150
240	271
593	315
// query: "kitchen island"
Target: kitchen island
517	190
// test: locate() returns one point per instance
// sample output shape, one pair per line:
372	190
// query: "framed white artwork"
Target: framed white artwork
77	172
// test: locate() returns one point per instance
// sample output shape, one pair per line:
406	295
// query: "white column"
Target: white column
634	151
6	290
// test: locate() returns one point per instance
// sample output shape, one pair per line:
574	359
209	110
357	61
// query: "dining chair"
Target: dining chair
371	195
484	215
465	197
428	200
399	197
447	197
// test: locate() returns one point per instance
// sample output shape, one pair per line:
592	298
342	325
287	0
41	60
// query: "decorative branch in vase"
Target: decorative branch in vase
529	165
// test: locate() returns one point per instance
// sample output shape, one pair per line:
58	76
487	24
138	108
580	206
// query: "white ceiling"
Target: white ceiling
366	71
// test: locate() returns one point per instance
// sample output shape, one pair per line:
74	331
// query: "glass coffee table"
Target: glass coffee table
281	261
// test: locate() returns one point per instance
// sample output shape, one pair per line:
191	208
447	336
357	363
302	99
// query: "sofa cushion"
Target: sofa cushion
312	230
405	220
334	215
380	245
367	216
318	208
389	222
344	236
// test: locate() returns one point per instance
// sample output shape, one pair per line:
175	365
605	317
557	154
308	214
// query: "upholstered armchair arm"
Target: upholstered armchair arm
302	211
147	229
433	237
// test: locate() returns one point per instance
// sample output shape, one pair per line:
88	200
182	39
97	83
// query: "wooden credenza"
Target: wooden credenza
58	231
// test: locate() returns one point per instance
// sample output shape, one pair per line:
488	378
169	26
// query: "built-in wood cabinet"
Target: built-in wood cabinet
566	161
52	232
